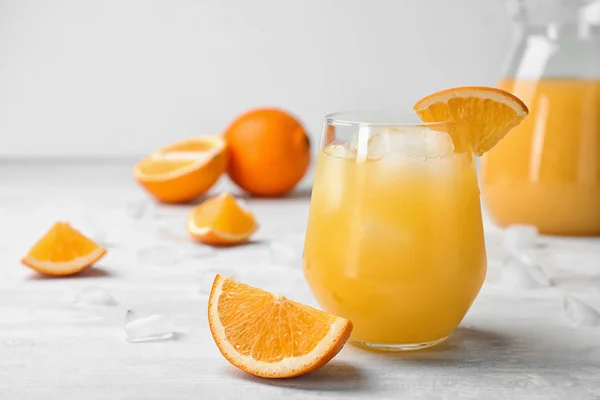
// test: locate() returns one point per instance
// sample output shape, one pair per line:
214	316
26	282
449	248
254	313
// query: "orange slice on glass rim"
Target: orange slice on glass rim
221	220
184	170
485	115
270	336
63	251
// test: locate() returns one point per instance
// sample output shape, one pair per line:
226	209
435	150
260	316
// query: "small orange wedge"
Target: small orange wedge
487	114
184	170
221	220
270	336
63	251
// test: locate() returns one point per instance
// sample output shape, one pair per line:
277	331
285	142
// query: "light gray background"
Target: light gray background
123	77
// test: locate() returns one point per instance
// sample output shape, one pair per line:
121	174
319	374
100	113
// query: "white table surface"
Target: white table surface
513	344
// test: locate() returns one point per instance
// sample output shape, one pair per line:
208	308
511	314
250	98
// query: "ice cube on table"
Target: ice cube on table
519	238
197	252
158	254
287	251
137	209
580	313
493	248
170	234
188	248
93	296
519	273
92	226
153	327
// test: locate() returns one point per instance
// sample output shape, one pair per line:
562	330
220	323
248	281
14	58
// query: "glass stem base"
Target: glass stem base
398	347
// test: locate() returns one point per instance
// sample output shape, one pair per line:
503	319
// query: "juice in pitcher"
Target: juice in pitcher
547	172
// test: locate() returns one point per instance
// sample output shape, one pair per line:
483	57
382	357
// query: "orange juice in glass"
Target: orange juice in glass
395	238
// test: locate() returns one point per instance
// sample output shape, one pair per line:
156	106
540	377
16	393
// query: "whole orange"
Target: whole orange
269	151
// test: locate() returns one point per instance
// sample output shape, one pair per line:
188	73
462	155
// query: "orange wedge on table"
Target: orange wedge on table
271	336
184	170
487	114
221	220
63	251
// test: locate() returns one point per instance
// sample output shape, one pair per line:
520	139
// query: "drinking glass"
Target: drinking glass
395	237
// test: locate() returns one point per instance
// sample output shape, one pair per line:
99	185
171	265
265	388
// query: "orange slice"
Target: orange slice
184	170
63	251
271	336
488	114
221	220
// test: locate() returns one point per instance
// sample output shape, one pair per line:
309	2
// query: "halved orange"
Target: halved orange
487	114
271	336
221	220
63	251
184	170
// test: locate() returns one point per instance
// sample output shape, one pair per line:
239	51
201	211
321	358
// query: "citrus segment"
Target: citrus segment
184	170
221	220
62	251
485	115
271	336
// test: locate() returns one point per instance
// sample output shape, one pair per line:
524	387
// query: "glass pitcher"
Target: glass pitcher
547	171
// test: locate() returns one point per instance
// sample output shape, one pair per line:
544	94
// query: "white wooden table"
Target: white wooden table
513	344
